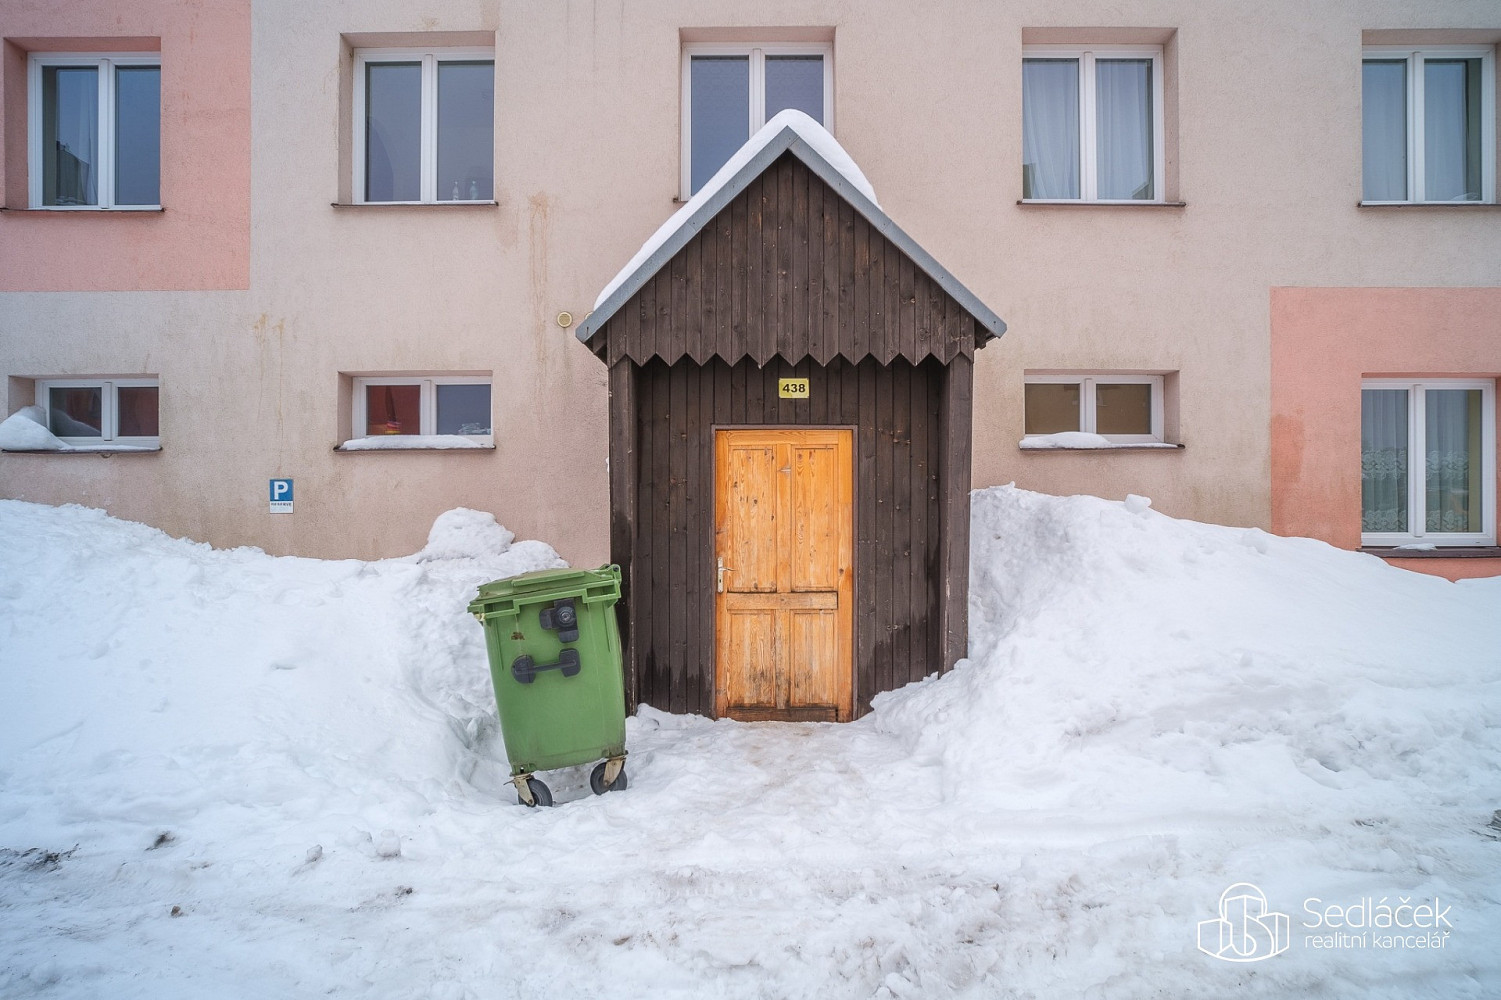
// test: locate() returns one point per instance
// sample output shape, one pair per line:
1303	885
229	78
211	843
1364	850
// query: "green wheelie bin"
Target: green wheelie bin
555	662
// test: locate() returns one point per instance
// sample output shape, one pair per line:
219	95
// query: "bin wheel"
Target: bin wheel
541	794
597	780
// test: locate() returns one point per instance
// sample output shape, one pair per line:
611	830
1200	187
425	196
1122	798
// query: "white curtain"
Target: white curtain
70	114
1050	128
1123	89
1383	460
1452	459
1383	123
1451	129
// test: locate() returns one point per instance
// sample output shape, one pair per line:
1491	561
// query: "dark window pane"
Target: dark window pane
70	135
1383	460
1122	409
1451	129
393	409
463	409
466	131
720	88
795	82
138	135
137	411
1383	130
1051	407
393	131
1050	128
1126	153
76	412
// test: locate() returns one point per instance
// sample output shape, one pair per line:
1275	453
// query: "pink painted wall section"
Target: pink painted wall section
202	238
1324	341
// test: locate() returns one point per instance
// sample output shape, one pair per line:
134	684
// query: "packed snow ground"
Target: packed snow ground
224	774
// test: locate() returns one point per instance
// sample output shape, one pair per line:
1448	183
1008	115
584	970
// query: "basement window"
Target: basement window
1099	410
406	412
101	412
1093	411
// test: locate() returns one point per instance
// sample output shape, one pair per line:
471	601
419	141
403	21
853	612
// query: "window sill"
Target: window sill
451	205
1437	552
1077	203
85	210
104	451
1036	449
1462	206
365	446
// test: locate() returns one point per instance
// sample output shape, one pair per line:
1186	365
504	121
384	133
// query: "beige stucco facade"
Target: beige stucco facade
1263	143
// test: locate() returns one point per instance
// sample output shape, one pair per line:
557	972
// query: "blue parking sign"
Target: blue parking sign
281	496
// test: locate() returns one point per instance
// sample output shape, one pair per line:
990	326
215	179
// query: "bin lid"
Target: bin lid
548	584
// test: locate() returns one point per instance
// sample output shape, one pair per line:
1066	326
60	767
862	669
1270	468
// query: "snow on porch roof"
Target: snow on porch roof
789	131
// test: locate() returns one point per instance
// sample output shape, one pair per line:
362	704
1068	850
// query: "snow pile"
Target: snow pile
1129	662
220	768
465	534
219	732
807	129
26	430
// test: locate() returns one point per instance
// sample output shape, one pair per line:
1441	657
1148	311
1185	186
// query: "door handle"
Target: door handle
719	578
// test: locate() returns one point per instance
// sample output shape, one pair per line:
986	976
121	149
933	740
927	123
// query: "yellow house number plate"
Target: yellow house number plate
793	388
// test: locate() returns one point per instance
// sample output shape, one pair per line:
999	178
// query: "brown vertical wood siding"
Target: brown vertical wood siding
789	270
896	413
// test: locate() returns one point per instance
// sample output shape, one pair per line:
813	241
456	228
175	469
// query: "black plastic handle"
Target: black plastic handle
525	669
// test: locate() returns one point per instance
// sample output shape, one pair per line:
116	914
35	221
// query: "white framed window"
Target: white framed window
1122	409
731	90
1092	124
85	411
424	123
1428	124
94	130
454	405
1428	462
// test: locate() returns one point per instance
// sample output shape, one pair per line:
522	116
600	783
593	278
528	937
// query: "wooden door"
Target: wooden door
783	607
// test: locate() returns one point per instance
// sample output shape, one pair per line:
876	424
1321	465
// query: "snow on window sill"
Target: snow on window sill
415	204
88	449
87	209
1081	203
1082	441
415	442
25	432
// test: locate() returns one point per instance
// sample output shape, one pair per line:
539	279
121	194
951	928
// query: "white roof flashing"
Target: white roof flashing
794	132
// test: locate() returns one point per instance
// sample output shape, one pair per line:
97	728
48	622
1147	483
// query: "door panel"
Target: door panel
813	654
752	634
814	553
784	526
751	546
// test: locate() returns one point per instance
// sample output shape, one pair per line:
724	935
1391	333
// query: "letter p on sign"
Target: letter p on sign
281	496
